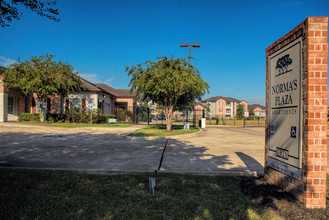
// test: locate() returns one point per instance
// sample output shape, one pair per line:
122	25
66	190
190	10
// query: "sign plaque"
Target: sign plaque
246	114
285	110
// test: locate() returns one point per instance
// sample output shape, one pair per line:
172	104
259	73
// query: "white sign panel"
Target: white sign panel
246	114
112	120
285	109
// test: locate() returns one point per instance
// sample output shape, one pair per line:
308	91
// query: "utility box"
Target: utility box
186	125
203	123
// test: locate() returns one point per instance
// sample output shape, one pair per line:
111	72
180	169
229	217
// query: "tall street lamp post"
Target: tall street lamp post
189	52
186	126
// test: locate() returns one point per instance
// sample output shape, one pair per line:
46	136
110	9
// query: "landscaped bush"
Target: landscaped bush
28	117
76	115
73	115
55	117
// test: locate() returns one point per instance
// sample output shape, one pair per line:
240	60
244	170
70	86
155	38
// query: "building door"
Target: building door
84	104
34	106
10	105
12	109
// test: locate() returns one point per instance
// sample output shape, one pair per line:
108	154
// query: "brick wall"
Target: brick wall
218	107
198	111
311	190
130	103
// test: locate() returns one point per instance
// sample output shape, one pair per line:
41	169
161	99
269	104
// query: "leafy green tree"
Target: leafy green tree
9	10
251	113
240	111
43	77
208	109
143	112
170	82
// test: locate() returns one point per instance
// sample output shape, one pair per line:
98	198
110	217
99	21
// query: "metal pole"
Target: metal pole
148	116
44	111
189	54
91	118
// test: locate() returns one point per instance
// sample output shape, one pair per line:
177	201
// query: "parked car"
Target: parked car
160	117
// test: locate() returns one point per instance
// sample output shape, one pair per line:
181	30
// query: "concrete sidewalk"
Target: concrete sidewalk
226	150
216	151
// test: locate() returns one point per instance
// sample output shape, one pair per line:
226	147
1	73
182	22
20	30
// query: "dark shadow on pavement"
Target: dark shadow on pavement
108	152
252	164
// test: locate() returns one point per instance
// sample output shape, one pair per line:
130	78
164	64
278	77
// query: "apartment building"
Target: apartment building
259	110
223	107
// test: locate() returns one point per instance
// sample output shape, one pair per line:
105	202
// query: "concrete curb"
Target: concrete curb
163	137
136	172
12	125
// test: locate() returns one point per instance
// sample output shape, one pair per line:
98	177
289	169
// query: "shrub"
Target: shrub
217	120
121	114
224	120
75	115
55	117
97	116
28	117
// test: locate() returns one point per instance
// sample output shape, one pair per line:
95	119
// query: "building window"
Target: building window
220	110
101	105
67	104
83	104
48	105
10	105
33	102
220	103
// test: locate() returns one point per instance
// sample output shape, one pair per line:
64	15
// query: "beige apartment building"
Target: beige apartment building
223	107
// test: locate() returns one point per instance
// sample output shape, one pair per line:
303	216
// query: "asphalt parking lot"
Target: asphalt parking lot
218	150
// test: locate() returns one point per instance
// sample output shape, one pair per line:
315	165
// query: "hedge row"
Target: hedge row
28	117
73	115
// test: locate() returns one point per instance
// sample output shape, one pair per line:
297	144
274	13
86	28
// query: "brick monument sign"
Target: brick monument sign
296	112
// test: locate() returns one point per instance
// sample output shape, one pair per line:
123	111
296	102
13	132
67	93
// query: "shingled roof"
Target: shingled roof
253	106
214	99
90	86
116	92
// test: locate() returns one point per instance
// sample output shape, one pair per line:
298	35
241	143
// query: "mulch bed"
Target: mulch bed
271	198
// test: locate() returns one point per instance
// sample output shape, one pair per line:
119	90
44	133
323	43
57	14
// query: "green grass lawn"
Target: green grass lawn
37	194
32	194
160	130
71	125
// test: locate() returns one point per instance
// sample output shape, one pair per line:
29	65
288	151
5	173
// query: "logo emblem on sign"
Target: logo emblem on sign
282	65
293	132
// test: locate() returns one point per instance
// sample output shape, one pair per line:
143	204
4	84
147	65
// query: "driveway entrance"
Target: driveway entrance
218	150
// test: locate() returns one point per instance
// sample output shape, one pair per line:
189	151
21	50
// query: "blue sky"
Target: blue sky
100	38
